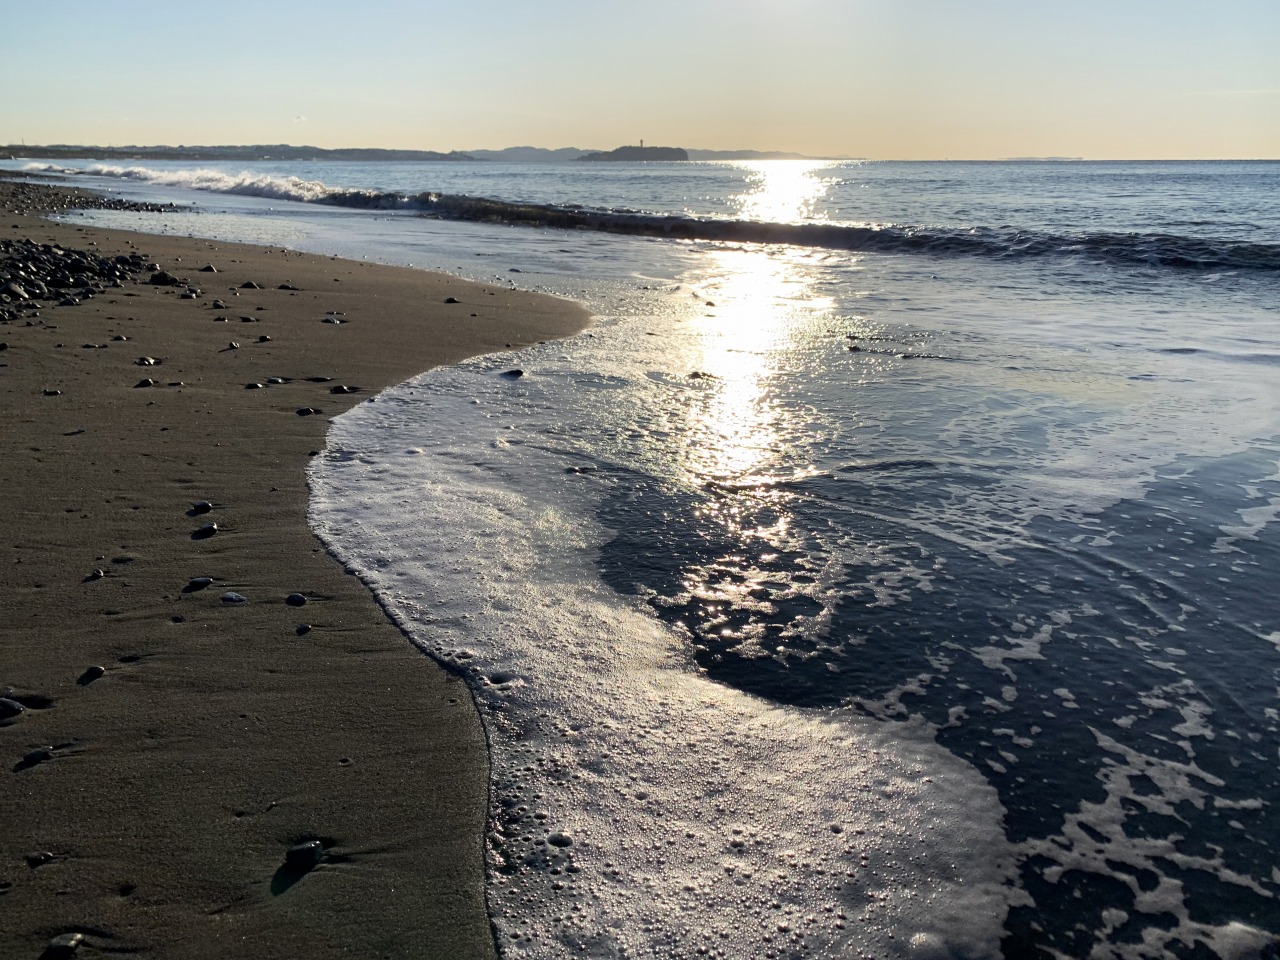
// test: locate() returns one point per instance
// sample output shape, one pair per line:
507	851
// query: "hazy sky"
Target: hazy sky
874	78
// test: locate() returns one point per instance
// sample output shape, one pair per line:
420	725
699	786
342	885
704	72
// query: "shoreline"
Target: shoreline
150	807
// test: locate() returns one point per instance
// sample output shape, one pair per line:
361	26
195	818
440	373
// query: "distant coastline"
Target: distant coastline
284	151
631	153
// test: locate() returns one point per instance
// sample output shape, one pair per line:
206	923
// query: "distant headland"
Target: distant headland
630	154
284	151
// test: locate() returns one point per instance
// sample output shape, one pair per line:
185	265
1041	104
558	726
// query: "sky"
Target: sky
884	79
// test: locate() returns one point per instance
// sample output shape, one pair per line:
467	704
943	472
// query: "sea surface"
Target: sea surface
891	570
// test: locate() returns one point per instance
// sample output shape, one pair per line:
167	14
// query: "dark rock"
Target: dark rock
218	305
304	856
205	531
307	411
232	597
10	708
452	300
513	374
296	600
95	575
63	947
145	382
208	268
146	362
53	393
560	840
249	285
302	629
90	675
200	506
196	584
254	386
341	388
163	278
288	286
264	339
37	860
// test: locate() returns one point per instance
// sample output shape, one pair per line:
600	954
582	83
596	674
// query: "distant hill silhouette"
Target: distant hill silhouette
639	153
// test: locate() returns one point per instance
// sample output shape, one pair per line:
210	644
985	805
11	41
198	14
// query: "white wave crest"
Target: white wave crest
245	184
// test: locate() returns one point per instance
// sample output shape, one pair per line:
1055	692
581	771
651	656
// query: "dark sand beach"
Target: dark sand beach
174	745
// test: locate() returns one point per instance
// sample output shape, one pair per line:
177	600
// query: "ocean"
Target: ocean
884	573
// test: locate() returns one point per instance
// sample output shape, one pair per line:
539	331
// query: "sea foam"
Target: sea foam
639	809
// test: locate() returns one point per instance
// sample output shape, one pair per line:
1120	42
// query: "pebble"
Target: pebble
63	946
452	300
249	285
295	600
513	374
219	305
93	673
264	339
340	388
560	840
254	386
144	382
10	708
95	575
277	380
302	629
208	268
119	338
199	583
233	345
146	362
201	506
304	856
205	531
53	393
307	411
232	597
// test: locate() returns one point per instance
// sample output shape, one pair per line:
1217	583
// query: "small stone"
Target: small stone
219	305
254	386
452	300
233	345
163	278
295	600
196	584
146	362
232	597
304	856
342	388
275	381
63	946
10	708
119	338
264	339
37	860
302	629
249	285
144	382
288	286
560	840
205	531
307	411
513	374
208	268
201	506
93	673
95	575
53	393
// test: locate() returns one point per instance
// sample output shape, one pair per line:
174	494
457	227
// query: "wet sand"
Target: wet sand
148	805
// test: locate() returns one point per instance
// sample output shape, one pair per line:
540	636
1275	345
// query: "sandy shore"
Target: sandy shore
150	806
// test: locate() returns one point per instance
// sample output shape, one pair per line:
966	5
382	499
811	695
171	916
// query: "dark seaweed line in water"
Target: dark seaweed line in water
1141	249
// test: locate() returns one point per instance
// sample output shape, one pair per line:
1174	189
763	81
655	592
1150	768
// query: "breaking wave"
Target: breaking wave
1152	250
